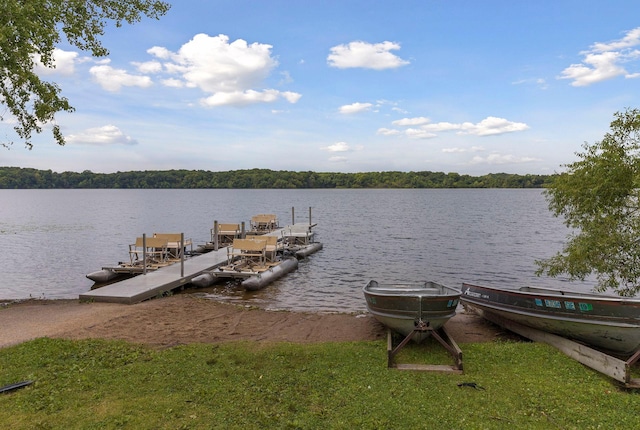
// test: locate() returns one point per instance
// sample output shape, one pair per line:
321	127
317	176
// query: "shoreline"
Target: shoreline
182	319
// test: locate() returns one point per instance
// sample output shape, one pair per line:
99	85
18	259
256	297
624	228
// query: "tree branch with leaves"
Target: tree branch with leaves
30	31
599	198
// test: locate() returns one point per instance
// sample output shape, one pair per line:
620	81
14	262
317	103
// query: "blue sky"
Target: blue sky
472	87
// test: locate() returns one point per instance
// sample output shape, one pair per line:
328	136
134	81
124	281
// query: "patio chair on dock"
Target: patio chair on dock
271	247
298	235
264	223
226	234
174	250
247	253
153	248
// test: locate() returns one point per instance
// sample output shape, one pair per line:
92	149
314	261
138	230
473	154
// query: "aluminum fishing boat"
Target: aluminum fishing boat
405	307
606	322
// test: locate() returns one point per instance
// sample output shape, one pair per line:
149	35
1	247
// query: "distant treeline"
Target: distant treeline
16	177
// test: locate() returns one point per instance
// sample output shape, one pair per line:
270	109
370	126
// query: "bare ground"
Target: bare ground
184	319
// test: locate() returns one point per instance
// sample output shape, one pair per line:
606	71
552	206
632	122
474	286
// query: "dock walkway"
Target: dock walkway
153	284
165	279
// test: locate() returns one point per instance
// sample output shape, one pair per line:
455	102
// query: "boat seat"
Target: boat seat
155	250
174	250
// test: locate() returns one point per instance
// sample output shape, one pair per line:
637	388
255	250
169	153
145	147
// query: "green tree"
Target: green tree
598	196
30	30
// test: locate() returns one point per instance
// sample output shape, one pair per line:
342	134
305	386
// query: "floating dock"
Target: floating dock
158	282
166	279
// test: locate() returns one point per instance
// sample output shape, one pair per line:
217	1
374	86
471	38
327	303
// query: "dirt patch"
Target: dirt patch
184	319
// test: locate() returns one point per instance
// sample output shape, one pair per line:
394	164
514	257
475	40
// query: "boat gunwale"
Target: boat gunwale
565	294
420	290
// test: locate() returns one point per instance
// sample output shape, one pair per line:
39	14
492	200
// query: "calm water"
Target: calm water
52	238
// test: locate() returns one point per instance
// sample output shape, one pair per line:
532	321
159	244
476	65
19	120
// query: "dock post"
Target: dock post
242	231
309	215
293	215
215	236
144	253
182	255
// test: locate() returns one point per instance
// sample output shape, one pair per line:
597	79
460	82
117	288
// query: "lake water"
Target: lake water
50	239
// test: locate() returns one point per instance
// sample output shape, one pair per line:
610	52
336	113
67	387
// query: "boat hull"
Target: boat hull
608	323
403	307
307	250
257	282
102	276
203	280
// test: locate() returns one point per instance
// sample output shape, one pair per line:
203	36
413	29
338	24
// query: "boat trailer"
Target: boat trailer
613	367
441	335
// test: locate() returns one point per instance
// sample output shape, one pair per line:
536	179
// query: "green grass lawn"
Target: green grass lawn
96	384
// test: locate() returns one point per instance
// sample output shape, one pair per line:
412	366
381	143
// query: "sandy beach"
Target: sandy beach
184	319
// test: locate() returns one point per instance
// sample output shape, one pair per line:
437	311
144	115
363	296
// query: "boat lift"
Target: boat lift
441	335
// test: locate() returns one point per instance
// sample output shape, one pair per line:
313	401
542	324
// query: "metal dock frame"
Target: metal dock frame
441	335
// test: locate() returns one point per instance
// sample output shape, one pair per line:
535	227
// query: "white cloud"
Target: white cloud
160	52
461	150
215	65
229	71
418	133
631	39
148	67
411	121
106	135
599	67
63	63
337	147
340	147
286	78
172	82
491	126
114	79
444	126
290	96
355	108
366	55
240	98
388	131
604	61
399	110
487	127
502	159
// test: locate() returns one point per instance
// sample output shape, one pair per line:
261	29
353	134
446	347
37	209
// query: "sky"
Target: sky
472	87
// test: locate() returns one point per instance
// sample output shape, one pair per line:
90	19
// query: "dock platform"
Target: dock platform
165	279
158	282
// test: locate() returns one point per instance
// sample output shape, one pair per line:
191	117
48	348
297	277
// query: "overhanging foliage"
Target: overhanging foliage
598	196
